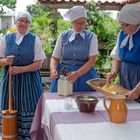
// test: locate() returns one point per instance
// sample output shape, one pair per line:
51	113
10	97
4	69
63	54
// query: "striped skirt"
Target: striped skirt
129	75
26	91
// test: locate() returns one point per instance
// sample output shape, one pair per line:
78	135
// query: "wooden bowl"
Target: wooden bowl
112	89
86	103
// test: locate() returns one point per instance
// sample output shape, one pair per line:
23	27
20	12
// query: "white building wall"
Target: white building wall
7	21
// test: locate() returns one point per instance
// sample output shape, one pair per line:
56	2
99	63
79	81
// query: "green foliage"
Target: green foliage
106	30
116	80
37	11
101	59
63	26
103	25
99	22
43	25
111	29
8	3
2	32
47	28
1	72
40	27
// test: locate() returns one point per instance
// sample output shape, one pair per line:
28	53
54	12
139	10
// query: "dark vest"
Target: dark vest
77	51
132	56
24	53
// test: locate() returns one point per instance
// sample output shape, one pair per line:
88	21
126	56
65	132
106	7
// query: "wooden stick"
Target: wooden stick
10	58
10	91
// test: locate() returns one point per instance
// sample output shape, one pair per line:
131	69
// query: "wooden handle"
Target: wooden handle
104	103
10	91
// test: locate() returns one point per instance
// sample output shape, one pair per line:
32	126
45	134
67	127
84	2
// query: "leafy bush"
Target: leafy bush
48	30
106	30
103	25
99	22
1	72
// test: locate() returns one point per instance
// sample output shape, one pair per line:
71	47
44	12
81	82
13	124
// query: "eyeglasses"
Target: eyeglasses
21	20
80	22
124	25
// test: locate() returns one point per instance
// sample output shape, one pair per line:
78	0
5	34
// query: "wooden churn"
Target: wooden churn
9	117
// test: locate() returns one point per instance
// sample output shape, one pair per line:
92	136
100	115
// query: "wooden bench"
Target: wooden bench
45	77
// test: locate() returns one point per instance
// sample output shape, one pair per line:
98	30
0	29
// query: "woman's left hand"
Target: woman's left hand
15	70
72	76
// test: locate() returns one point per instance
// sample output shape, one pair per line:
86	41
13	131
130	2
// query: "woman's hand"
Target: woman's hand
115	68
9	59
110	77
132	95
6	61
54	74
53	65
73	76
15	70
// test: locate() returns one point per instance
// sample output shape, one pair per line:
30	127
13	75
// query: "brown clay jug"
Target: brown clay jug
117	108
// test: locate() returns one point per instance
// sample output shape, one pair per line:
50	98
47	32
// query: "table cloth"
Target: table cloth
53	122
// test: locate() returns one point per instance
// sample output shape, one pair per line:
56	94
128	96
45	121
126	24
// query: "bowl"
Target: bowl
108	89
86	103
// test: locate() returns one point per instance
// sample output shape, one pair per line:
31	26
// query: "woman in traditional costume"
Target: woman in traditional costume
76	49
26	80
126	53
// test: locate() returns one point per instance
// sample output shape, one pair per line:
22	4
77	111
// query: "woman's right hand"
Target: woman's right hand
9	59
54	74
110	77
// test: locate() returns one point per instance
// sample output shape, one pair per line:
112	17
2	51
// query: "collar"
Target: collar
19	37
129	39
72	37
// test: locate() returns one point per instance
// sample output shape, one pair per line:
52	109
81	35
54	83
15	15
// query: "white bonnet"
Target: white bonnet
24	14
130	13
75	13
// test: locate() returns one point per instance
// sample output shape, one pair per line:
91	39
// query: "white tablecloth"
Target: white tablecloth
53	122
98	131
56	105
90	131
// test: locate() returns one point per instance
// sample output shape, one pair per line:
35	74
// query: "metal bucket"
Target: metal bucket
9	125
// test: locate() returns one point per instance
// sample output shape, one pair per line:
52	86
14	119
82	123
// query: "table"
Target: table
53	122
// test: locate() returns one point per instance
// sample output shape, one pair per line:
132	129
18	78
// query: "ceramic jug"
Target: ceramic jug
116	108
